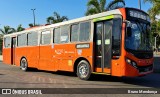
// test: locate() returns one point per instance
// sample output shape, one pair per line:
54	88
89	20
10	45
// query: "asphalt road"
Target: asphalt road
157	64
13	77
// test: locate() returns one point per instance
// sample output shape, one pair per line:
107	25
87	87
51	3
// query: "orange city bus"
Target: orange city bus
115	42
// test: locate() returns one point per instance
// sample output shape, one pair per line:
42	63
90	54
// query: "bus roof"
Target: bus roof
85	18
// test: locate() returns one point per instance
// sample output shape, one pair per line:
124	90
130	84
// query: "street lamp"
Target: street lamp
34	16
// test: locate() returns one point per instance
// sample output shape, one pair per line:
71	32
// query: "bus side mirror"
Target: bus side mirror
129	32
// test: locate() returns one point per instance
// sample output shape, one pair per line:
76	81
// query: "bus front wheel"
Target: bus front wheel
83	70
24	64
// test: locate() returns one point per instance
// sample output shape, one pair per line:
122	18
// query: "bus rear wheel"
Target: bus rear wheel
83	70
24	64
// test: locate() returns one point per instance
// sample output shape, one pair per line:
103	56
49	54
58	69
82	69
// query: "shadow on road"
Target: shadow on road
146	81
63	73
152	80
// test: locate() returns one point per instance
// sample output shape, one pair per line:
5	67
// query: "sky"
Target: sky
15	12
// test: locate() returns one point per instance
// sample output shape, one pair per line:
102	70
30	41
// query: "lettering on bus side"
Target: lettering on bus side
80	46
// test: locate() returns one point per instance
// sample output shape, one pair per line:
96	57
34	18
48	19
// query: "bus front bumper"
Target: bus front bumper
131	71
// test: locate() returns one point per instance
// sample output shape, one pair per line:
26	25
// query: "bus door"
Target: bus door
13	47
103	45
45	51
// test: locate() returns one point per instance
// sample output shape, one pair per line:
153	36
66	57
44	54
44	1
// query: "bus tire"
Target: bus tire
83	70
24	64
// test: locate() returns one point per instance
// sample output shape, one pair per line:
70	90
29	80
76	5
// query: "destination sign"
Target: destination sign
132	13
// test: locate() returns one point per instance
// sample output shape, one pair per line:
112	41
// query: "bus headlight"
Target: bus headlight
134	64
128	61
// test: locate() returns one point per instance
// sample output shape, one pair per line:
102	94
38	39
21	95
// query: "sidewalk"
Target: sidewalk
1	58
157	63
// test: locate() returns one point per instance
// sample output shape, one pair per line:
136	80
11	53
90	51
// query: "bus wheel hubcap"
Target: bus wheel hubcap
83	70
23	64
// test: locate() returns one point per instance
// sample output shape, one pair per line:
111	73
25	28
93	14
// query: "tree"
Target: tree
20	28
156	33
95	6
56	18
50	20
1	46
7	30
116	4
4	31
154	10
98	6
155	24
32	25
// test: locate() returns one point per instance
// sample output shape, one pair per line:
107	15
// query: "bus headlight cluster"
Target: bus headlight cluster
134	64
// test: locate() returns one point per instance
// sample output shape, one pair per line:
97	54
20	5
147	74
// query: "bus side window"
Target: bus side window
32	39
116	37
84	31
45	37
57	35
7	42
74	32
22	40
64	38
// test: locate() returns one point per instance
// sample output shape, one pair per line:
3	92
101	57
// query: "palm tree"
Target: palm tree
98	6
150	1
20	28
155	25
7	30
95	6
154	10
116	4
32	25
50	19
56	18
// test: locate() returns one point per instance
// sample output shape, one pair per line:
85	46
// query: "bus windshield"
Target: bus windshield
139	38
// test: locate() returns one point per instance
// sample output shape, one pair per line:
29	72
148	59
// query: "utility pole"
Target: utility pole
155	40
139	4
34	17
